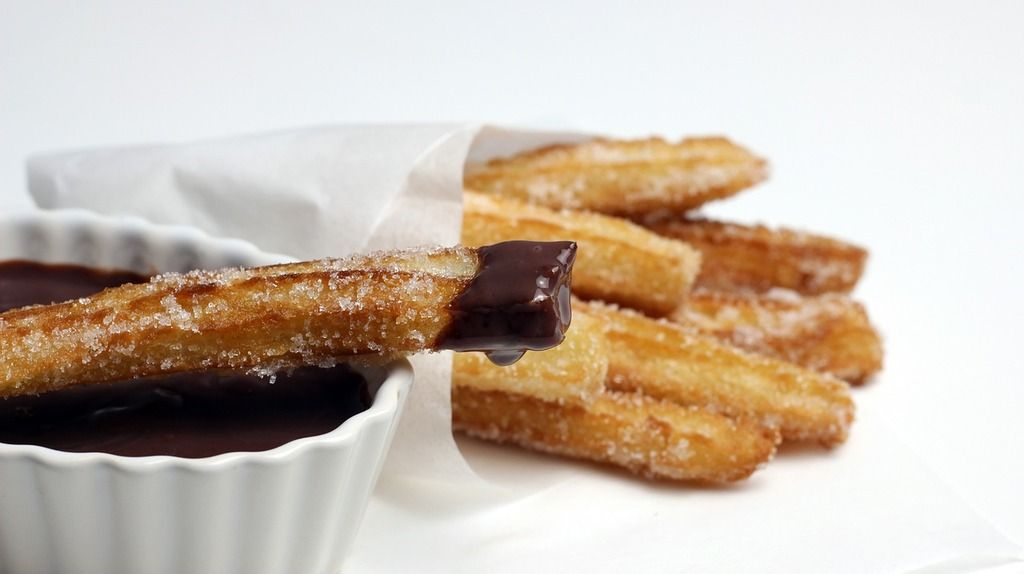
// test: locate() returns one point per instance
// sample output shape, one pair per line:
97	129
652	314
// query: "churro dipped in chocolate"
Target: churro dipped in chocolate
503	299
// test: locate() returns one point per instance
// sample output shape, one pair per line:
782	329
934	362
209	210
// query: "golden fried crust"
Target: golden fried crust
622	177
757	258
829	333
663	360
574	371
257	319
618	261
653	438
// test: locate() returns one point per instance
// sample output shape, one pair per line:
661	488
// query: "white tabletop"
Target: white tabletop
897	126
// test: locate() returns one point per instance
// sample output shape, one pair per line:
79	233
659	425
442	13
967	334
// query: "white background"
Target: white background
897	125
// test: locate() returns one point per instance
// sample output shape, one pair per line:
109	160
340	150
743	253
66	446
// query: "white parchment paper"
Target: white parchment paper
306	193
869	506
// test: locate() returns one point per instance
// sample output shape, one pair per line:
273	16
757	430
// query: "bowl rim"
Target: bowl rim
134	224
396	374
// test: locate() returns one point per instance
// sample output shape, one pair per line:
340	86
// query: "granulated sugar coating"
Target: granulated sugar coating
260	320
632	178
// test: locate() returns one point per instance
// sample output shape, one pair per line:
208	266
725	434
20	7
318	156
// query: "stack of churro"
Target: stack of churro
697	346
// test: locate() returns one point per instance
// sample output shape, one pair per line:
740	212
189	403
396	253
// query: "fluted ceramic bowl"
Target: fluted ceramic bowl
295	508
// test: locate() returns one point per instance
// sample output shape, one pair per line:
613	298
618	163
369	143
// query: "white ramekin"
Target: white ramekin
295	508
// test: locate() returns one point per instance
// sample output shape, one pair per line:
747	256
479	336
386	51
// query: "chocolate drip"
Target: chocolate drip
517	302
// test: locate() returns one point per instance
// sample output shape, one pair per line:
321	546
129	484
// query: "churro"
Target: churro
758	258
618	177
503	299
656	439
830	333
618	261
663	360
574	371
556	401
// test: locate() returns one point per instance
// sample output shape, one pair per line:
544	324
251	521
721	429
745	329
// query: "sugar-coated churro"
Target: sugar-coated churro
663	360
618	261
830	333
758	258
657	439
619	177
503	299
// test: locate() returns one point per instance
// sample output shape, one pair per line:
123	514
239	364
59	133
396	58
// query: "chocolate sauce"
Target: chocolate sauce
28	283
521	289
191	415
